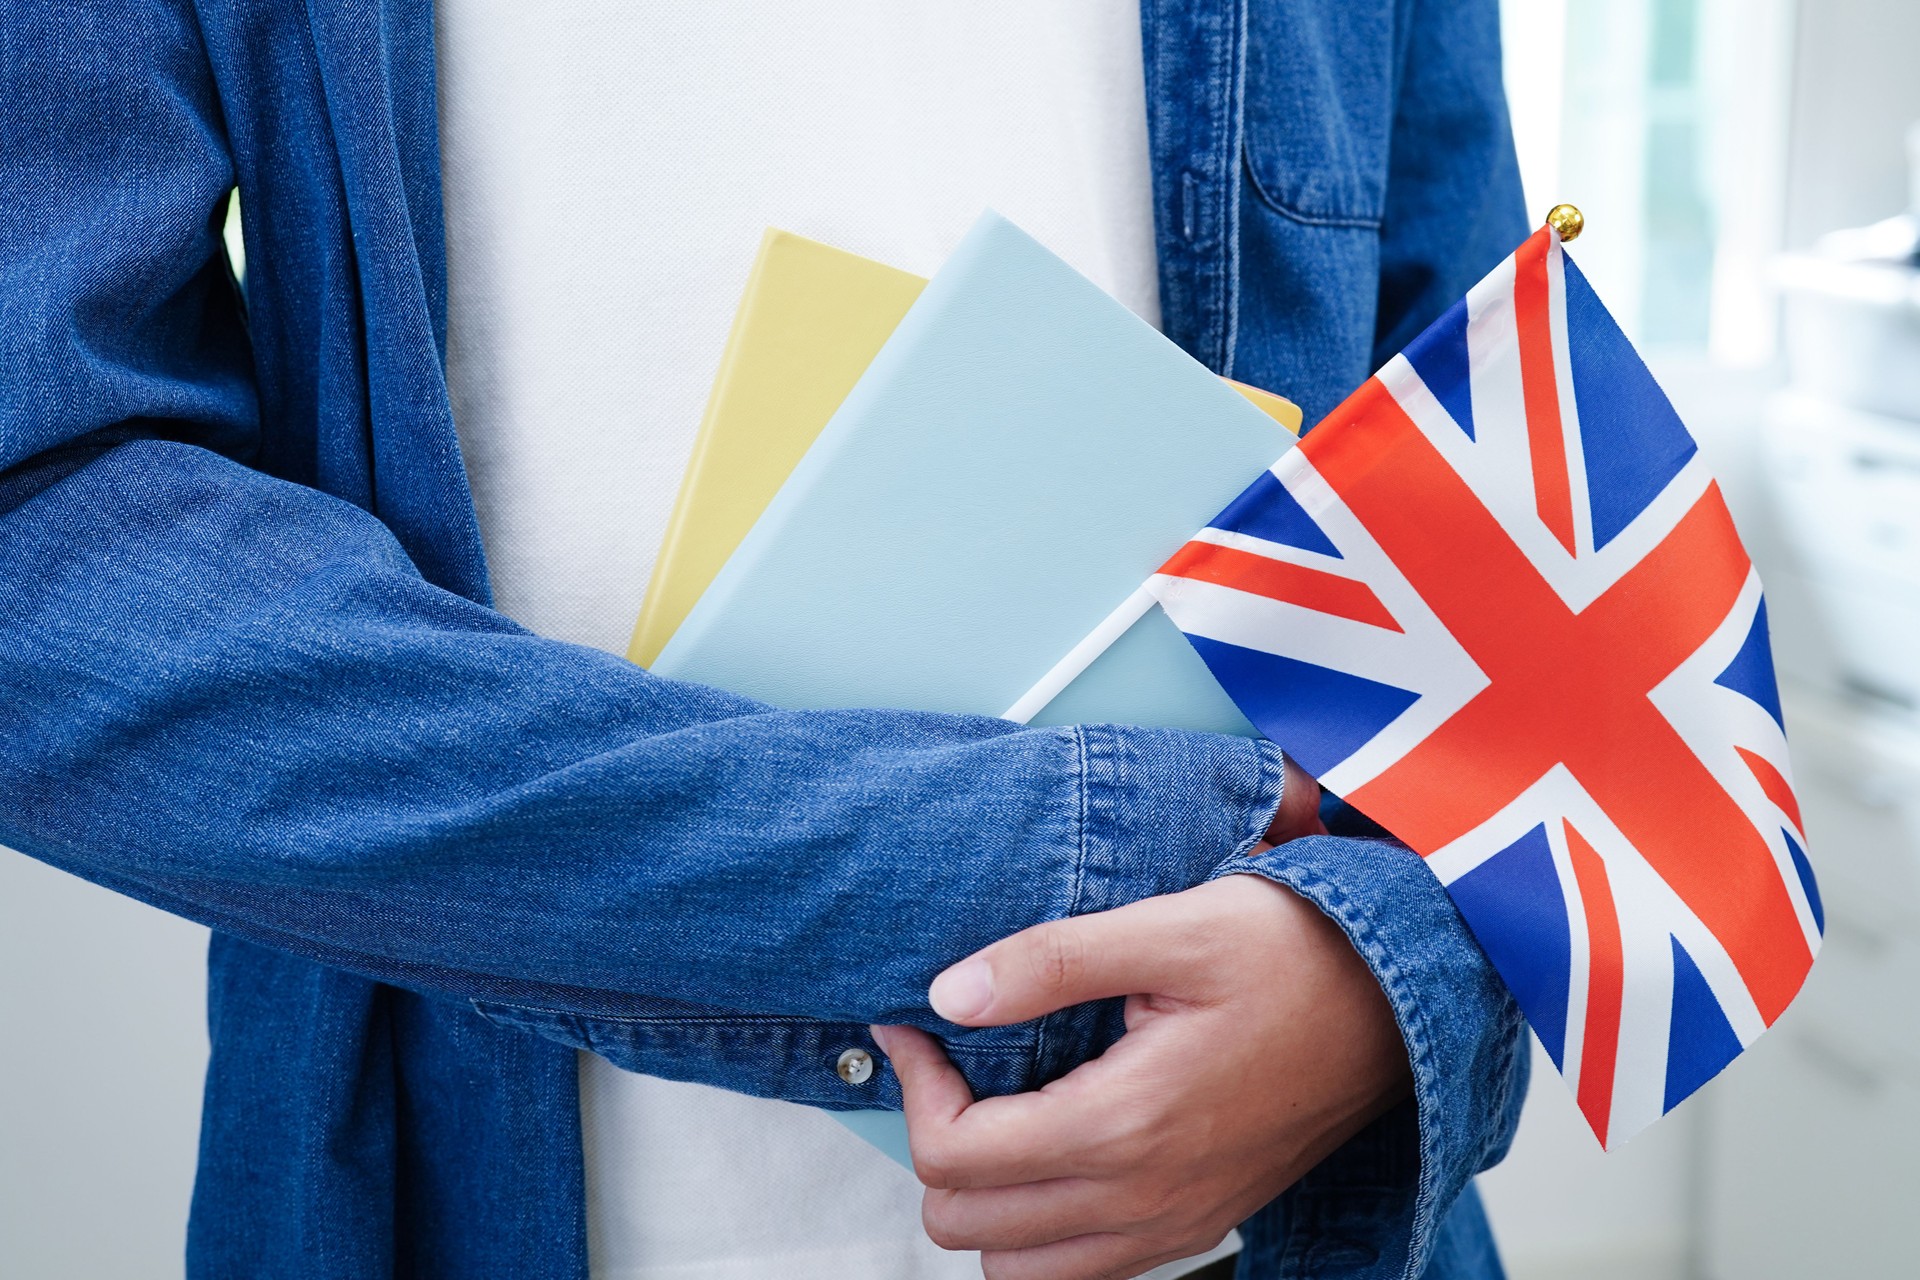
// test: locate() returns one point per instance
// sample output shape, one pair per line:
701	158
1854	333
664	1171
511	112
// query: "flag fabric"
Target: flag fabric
1496	602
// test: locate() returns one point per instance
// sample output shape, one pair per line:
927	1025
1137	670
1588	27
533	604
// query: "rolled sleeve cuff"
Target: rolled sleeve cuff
1159	810
1373	1209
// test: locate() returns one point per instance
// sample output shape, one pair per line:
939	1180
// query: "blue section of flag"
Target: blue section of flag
1456	520
1515	905
1700	1040
1266	510
1751	671
1343	712
1439	356
1805	868
1633	441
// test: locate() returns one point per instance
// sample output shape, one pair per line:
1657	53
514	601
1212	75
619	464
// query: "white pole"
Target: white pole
1081	656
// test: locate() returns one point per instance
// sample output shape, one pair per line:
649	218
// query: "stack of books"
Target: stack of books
925	494
967	495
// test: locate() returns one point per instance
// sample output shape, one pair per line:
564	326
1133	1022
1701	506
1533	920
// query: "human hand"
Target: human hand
1257	1043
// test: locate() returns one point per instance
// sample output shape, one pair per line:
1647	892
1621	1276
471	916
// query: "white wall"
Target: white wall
1563	1209
102	1049
1856	90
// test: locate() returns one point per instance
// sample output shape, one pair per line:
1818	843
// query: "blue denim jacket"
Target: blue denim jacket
249	673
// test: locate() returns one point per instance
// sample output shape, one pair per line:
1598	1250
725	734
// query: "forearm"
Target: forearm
236	698
1464	1037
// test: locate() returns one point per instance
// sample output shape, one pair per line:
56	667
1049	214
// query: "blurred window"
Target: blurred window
1665	121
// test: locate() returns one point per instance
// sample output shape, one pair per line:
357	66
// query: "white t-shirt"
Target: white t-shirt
608	171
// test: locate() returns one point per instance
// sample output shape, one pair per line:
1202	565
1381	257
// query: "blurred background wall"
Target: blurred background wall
1712	144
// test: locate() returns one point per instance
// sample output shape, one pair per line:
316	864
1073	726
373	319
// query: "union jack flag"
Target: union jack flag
1497	603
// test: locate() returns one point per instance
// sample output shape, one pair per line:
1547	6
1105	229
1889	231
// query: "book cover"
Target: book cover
1022	452
810	321
1019	456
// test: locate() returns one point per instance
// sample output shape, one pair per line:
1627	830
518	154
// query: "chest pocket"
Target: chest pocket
1319	107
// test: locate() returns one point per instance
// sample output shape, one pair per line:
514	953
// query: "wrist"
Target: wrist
1299	811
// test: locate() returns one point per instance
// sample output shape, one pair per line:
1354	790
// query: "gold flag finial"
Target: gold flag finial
1567	222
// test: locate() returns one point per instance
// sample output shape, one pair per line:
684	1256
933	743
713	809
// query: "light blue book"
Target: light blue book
1022	454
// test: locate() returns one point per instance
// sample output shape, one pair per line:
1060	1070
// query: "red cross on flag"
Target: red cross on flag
1496	601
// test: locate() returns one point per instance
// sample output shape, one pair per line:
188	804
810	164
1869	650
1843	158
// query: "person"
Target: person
254	676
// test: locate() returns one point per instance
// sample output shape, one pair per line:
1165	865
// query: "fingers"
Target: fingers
1037	1213
1098	1120
1022	1138
1095	1257
932	1090
1142	948
1018	1217
956	1142
1134	950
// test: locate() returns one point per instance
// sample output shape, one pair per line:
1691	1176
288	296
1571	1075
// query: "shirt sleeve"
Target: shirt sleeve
234	697
1383	1205
1376	1207
238	698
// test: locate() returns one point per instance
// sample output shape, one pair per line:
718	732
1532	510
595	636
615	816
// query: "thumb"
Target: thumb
932	1090
1061	963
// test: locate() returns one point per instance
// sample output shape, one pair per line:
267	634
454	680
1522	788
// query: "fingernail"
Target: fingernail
963	991
879	1035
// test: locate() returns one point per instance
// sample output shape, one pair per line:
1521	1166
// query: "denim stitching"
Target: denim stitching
1509	1080
1338	906
488	1008
501	1014
1353	221
1237	109
1222	175
1273	782
1076	887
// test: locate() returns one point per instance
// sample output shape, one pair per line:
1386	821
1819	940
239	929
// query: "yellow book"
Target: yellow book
1279	408
810	322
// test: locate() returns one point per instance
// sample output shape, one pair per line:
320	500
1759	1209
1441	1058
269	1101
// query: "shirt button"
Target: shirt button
855	1066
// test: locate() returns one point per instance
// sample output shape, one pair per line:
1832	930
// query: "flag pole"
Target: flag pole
1081	656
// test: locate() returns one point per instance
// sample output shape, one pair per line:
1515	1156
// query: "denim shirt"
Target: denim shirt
250	674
